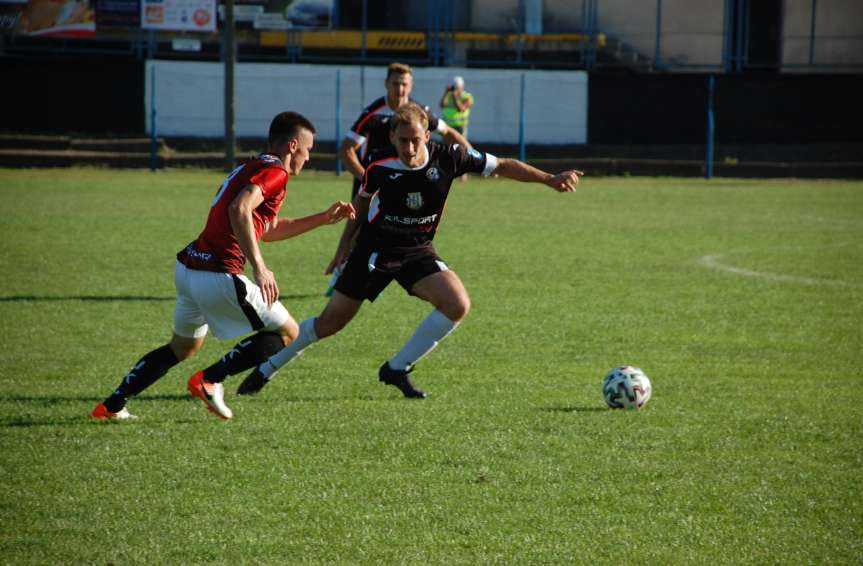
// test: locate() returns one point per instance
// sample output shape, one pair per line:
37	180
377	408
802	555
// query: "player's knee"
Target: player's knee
327	325
184	349
289	332
457	309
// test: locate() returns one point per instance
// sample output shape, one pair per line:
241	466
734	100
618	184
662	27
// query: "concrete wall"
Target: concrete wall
838	32
189	99
692	30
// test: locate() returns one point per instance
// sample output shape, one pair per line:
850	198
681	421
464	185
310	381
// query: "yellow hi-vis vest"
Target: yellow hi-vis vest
451	115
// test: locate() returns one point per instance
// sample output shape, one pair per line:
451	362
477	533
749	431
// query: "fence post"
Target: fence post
521	149
708	158
812	35
657	56
230	46
338	119
365	26
153	144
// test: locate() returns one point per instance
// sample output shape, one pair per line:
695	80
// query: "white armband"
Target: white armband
490	165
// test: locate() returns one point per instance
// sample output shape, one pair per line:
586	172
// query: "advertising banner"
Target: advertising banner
49	17
295	14
11	14
179	15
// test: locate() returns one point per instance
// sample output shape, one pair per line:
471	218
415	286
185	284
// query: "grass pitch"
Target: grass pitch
742	300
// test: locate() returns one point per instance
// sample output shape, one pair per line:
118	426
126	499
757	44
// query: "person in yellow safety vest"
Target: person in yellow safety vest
456	103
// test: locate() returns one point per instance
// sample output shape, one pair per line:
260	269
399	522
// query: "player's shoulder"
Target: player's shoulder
267	160
375	105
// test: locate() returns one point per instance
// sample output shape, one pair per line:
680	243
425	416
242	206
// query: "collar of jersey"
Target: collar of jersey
271	157
398	164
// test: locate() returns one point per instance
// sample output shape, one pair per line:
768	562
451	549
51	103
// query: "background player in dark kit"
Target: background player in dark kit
370	132
398	209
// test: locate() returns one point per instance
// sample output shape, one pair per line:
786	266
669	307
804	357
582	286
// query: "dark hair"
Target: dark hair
398	69
286	126
409	113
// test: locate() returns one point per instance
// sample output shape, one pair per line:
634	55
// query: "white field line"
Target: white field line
712	262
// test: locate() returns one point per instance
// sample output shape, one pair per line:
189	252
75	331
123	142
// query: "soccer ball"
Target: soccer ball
626	387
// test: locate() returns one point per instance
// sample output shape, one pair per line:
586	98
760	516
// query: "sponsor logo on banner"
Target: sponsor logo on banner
181	15
414	201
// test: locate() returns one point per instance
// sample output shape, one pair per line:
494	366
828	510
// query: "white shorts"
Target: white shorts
231	304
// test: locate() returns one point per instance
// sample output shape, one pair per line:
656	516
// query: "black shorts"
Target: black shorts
368	272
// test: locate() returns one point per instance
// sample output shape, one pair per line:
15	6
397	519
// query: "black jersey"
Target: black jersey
406	204
372	129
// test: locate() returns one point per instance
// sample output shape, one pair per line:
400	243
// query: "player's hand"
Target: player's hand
565	182
339	210
267	282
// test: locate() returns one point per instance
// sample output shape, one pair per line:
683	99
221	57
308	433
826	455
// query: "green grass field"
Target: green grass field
742	300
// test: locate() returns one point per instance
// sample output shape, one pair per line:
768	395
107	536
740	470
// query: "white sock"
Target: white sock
306	337
432	330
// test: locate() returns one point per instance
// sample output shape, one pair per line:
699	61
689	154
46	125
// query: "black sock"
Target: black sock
245	355
148	369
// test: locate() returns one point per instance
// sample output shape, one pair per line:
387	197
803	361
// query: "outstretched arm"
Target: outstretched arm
564	182
289	227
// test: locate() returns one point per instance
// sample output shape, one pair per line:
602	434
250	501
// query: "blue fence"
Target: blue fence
651	35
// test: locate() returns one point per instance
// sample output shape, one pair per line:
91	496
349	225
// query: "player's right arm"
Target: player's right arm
349	157
240	215
361	208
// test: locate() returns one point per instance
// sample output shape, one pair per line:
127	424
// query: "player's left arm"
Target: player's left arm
285	228
564	182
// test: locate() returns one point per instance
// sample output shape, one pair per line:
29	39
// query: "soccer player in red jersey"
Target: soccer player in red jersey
398	210
211	288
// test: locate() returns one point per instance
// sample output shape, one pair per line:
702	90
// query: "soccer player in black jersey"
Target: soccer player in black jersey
398	210
369	137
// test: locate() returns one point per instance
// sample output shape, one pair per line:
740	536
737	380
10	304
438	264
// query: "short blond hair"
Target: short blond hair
409	113
398	69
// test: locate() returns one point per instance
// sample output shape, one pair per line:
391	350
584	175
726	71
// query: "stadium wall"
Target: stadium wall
189	99
97	96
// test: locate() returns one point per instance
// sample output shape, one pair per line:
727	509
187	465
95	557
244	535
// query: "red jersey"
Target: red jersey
217	248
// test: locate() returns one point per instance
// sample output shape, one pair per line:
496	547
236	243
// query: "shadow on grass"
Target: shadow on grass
574	409
86	420
107	298
58	399
83	417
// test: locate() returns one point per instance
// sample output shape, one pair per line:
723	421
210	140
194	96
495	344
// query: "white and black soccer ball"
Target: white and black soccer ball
626	387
